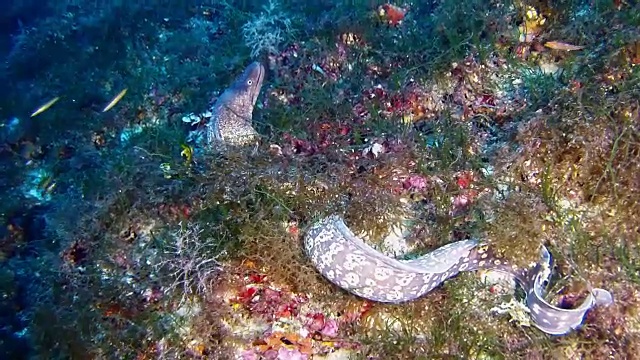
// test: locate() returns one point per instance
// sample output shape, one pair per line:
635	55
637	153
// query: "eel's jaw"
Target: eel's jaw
249	84
259	78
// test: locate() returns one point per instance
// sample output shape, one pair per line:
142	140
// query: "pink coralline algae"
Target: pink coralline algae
249	355
415	182
330	328
320	324
291	354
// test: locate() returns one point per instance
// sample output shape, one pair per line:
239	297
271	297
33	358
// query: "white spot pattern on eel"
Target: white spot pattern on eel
349	263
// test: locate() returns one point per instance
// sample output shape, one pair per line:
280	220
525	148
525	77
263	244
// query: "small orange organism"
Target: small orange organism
392	13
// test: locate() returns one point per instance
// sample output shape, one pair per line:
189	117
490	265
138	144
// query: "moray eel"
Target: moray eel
232	112
346	261
349	263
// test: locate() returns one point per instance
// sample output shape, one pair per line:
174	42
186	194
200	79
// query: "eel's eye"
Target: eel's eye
249	82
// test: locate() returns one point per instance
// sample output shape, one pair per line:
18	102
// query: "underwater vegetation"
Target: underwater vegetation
424	123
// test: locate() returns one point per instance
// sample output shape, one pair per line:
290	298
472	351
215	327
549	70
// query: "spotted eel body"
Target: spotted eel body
349	263
345	260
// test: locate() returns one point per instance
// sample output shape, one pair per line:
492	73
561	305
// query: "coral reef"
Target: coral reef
512	122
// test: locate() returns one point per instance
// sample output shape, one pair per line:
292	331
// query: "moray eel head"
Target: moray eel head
232	112
246	87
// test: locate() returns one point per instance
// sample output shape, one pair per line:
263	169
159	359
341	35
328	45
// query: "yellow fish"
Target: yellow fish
559	45
187	152
44	107
115	100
